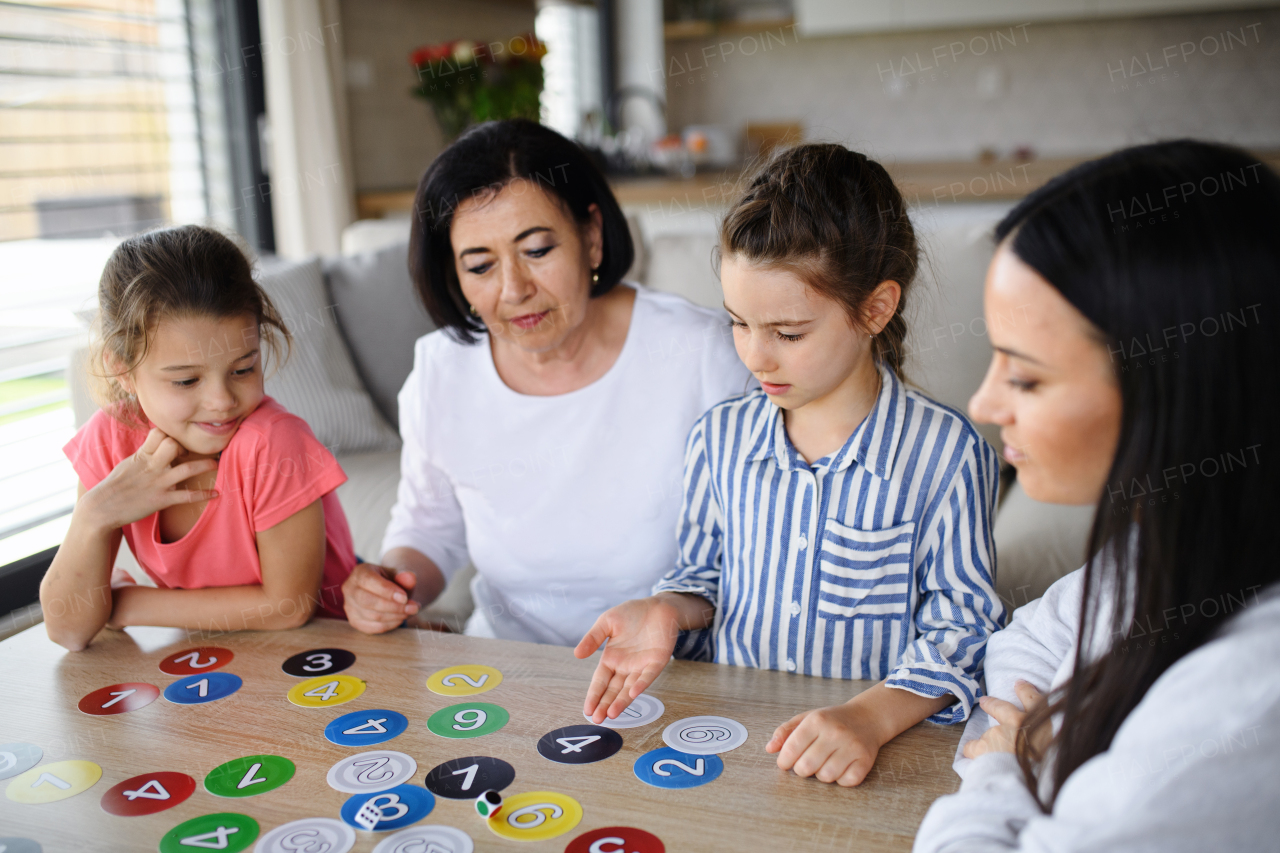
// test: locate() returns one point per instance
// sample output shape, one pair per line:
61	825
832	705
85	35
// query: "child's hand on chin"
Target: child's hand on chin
837	744
147	482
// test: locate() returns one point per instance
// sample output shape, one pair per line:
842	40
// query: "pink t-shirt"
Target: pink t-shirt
273	467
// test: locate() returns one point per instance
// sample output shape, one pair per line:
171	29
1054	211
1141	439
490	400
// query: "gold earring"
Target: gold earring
474	312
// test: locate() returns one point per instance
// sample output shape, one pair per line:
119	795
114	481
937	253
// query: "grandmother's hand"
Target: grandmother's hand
1010	719
377	599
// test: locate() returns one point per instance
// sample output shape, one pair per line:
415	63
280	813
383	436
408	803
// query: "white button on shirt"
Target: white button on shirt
565	504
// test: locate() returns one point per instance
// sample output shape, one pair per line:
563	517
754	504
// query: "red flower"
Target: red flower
432	53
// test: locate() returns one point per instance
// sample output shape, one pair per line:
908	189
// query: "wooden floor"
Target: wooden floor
752	806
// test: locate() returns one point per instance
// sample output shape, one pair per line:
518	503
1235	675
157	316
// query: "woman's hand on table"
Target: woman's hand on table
1010	719
641	636
377	598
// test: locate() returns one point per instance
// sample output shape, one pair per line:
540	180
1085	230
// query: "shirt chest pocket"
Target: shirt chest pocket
865	574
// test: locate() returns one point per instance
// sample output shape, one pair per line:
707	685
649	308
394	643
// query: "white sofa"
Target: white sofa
369	292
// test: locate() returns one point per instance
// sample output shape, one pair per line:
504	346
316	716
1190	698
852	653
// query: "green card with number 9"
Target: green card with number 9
468	719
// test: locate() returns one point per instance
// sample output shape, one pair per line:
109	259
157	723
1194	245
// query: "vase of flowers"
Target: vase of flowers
468	82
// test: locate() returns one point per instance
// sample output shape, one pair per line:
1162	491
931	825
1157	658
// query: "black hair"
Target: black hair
484	159
1171	251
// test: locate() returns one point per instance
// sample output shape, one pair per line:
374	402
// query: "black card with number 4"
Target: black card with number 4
579	744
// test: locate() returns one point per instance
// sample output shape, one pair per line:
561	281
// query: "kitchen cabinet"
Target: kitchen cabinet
838	17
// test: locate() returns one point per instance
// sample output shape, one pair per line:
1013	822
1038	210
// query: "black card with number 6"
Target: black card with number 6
579	744
468	778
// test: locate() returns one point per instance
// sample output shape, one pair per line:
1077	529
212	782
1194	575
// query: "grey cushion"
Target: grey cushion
948	349
318	383
1036	543
380	317
681	264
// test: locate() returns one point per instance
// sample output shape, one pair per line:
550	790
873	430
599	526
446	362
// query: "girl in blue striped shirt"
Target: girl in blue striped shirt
834	522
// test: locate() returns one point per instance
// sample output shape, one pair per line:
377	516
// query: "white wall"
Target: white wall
1062	88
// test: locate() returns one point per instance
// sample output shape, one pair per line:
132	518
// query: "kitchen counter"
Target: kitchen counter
921	183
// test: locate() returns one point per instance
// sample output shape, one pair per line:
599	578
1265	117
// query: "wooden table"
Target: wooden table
752	806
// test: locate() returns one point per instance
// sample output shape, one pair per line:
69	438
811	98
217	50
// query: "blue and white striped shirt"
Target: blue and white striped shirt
874	562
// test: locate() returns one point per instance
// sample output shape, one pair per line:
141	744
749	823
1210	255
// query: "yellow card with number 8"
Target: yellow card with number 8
326	691
535	816
467	679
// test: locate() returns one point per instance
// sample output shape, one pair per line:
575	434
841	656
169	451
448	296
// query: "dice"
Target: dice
369	815
488	804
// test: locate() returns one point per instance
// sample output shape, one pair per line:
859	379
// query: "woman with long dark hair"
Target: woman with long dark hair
1137	704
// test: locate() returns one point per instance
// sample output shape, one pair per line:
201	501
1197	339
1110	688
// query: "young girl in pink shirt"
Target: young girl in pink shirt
225	498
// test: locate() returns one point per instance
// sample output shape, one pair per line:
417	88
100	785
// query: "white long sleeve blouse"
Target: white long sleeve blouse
1192	768
566	504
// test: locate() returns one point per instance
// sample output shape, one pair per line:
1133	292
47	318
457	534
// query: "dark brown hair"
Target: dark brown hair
836	219
171	272
484	160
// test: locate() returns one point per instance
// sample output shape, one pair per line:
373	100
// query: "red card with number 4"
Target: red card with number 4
148	794
196	661
119	698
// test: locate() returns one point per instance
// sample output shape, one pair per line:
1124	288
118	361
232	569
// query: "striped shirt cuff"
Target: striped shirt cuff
688	586
926	680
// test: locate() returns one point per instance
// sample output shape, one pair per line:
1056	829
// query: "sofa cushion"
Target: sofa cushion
1036	543
681	264
367	498
318	382
380	317
947	347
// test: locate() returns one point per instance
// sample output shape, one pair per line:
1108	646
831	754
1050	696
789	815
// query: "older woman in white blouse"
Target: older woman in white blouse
544	423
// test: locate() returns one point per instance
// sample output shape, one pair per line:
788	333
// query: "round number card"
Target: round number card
464	680
616	839
119	698
579	744
325	691
318	662
17	757
536	816
469	719
366	728
48	783
370	772
11	844
248	776
198	689
390	809
468	778
148	794
432	838
194	661
705	735
668	768
643	710
225	831
309	835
